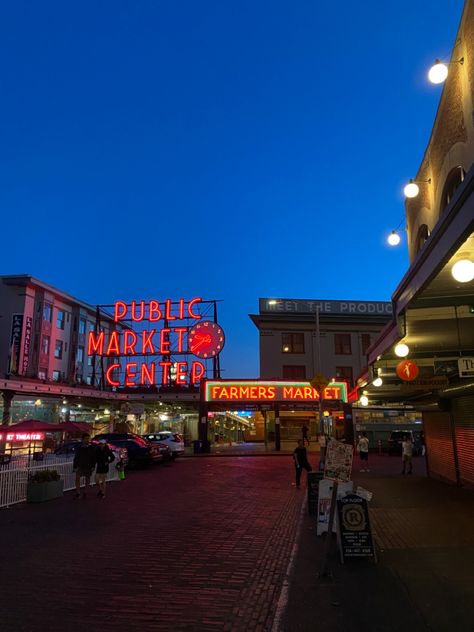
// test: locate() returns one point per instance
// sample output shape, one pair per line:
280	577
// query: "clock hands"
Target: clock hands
201	339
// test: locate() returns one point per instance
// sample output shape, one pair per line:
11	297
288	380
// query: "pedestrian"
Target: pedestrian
422	443
104	457
301	461
304	432
363	450
84	463
407	454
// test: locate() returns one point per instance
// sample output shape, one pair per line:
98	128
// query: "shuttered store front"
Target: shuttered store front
439	446
463	414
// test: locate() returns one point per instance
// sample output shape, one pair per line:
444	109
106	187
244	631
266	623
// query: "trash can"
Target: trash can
196	447
206	447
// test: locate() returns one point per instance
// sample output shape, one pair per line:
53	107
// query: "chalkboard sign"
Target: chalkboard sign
313	491
354	533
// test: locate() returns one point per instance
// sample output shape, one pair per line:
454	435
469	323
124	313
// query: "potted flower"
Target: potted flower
44	485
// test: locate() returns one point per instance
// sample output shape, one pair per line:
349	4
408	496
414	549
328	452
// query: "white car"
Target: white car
172	439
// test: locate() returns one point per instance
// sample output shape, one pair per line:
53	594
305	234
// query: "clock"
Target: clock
206	339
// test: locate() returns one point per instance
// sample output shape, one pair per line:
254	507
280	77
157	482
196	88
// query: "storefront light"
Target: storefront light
64	410
378	381
463	271
394	238
411	189
364	400
402	350
106	411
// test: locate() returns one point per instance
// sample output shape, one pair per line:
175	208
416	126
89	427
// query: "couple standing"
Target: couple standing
86	458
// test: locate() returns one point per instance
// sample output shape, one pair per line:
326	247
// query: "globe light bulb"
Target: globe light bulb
411	189
463	271
394	238
438	72
378	381
402	350
364	400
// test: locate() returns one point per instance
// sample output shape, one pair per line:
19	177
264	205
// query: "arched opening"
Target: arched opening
421	237
454	179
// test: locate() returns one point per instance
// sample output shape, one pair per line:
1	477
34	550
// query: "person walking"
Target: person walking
407	454
301	461
104	456
363	450
304	432
84	463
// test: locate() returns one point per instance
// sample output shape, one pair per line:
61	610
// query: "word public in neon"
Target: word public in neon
271	391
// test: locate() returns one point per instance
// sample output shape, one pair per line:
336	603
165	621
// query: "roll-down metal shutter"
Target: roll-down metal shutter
463	414
439	446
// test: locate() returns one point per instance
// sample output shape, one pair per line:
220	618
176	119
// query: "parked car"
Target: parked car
69	447
140	451
398	436
172	439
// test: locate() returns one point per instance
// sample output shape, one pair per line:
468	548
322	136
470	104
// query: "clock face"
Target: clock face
206	339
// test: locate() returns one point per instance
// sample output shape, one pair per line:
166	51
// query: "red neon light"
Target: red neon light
147	374
95	344
129	342
191	304
113	346
120	310
134	311
22	436
165	341
165	376
197	371
180	331
147	341
181	372
168	314
181	308
108	377
154	311
259	392
130	373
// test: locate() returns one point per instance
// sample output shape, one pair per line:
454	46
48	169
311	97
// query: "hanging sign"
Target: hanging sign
407	370
466	367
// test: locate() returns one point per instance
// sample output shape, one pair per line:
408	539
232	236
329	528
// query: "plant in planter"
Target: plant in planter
44	485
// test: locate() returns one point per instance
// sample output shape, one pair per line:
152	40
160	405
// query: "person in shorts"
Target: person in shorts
363	450
84	463
104	456
407	454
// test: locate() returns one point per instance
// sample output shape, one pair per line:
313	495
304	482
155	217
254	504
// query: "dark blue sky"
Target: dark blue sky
225	149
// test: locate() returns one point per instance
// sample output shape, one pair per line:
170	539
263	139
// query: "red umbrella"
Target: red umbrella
31	425
70	426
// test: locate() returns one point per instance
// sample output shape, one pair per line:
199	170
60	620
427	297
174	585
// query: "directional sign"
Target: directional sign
319	382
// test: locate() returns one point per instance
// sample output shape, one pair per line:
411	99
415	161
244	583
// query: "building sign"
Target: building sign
291	306
466	367
259	391
21	436
152	328
15	342
26	344
407	370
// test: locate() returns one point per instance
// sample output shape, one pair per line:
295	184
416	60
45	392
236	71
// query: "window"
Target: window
89	380
45	345
344	373
89	360
291	372
365	342
42	373
90	326
58	349
454	179
421	237
292	343
80	354
342	344
47	312
82	325
56	376
60	319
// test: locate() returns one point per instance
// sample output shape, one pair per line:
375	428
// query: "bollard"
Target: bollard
380	446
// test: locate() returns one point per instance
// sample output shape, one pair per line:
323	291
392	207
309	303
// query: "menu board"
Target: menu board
338	465
354	532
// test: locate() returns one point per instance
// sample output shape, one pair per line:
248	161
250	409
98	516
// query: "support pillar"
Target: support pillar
7	406
277	428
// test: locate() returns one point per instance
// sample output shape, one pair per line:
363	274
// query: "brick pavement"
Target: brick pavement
201	544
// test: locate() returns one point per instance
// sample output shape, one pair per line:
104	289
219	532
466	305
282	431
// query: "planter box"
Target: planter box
40	492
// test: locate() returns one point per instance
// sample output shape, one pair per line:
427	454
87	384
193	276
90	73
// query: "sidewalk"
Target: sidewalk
424	579
252	449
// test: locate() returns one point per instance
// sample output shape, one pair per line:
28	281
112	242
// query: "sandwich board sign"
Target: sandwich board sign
353	528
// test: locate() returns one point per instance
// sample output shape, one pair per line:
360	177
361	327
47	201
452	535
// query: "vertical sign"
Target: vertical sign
27	344
15	342
355	535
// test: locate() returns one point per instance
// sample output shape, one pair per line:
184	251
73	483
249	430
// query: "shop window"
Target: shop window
342	344
292	343
455	178
58	349
60	319
47	312
421	237
291	372
45	345
345	373
365	342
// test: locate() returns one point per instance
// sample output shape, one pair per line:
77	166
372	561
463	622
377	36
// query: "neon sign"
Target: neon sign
203	339
249	391
21	436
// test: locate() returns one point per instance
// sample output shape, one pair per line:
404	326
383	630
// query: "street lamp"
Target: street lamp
411	189
394	238
439	71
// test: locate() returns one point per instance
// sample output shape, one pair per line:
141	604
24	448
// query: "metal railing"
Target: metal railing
15	474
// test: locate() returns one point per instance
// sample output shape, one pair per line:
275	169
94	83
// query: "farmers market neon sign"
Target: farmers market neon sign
244	391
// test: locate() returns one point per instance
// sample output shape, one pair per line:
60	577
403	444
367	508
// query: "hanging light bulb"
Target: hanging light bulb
364	400
411	189
378	381
402	350
438	72
394	238
463	271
